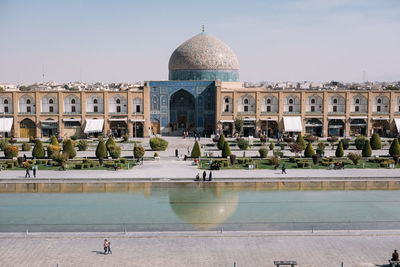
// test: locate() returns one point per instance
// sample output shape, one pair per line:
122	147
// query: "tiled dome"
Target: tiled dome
203	52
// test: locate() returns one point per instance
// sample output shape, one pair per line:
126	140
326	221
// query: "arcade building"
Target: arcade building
203	94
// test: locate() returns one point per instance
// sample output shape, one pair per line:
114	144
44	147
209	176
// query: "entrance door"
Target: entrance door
182	110
27	129
182	121
155	127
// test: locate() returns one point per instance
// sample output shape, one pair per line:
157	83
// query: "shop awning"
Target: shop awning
397	122
358	117
117	119
380	119
292	124
249	119
225	121
72	119
138	120
336	118
269	119
6	124
49	124
94	126
48	121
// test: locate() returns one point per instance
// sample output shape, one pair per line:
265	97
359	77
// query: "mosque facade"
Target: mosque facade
203	94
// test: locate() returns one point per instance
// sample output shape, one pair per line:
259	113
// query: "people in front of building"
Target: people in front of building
395	256
34	169
284	169
27	174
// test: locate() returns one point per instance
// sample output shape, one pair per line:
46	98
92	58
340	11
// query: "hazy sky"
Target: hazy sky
126	41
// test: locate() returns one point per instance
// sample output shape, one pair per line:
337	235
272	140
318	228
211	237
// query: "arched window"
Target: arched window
381	104
49	104
335	101
28	101
357	101
314	103
118	101
5	101
137	105
246	101
5	104
291	104
227	104
72	104
269	104
291	101
26	104
73	101
94	103
247	104
359	104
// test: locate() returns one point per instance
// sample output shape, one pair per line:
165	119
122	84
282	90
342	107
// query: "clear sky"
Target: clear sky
127	41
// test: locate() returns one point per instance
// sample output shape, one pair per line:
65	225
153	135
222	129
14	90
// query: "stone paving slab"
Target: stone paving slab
201	249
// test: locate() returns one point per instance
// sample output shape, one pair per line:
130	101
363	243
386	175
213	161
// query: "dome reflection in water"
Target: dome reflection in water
203	207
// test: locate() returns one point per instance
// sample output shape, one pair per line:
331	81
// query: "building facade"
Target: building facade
204	94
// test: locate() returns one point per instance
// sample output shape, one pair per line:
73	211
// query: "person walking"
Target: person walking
105	246
210	176
204	176
27	174
284	169
109	248
176	153
34	169
24	158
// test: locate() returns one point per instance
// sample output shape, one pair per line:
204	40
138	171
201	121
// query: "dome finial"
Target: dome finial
202	28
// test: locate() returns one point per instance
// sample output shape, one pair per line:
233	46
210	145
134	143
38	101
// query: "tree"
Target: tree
38	150
11	152
367	150
300	141
339	150
221	142
158	144
115	151
309	152
196	151
354	157
271	146
226	151
51	149
243	144
110	142
138	151
321	148
69	149
263	152
239	125
101	150
296	148
394	149
375	142
360	141
54	141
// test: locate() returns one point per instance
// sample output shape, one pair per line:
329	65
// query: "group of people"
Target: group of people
189	134
107	247
204	176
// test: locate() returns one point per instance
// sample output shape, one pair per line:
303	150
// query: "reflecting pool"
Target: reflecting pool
189	207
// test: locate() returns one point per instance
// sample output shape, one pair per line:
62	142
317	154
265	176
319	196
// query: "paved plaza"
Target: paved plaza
319	249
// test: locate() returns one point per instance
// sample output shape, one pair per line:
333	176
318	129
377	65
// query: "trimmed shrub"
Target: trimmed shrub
158	144
315	159
115	151
54	141
321	148
78	166
243	144
221	142
226	151
101	150
123	160
332	139
367	150
360	142
26	146
69	149
375	142
156	155
38	150
309	152
394	149
345	143
12	141
288	139
74	138
354	157
196	151
51	149
110	142
232	159
271	146
3	143
274	161
82	145
311	138
138	151
60	158
296	148
339	150
11	152
125	137
301	142
263	152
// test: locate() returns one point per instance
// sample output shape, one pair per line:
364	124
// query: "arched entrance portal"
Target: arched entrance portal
118	128
182	110
27	128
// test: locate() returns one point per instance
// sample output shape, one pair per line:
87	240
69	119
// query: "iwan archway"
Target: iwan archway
182	111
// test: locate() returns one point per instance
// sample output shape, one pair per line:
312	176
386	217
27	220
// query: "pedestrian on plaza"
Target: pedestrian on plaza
176	153
34	169
395	256
210	176
109	248
24	158
197	177
27	174
284	169
105	246
204	176
188	151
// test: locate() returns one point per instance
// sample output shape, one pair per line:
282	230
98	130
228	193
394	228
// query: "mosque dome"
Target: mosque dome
203	208
203	57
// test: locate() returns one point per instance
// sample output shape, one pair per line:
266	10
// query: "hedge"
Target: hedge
158	144
221	142
11	152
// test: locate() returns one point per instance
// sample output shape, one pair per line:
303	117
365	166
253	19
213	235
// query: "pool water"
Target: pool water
188	207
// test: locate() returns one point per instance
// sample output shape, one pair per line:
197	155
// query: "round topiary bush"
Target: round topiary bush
360	141
375	142
51	149
243	144
110	142
38	150
339	150
196	151
82	145
158	144
115	151
26	146
11	152
263	152
300	141
221	142
346	143
101	150
54	141
309	152
367	150
138	151
226	151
